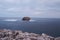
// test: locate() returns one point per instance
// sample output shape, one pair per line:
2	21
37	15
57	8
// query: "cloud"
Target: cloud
42	8
17	1
14	9
17	9
11	1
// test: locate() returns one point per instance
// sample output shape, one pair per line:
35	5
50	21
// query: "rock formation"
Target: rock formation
19	35
26	18
58	38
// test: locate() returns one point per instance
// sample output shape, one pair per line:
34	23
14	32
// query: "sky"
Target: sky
31	8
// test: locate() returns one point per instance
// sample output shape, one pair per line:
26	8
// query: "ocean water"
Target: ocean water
50	26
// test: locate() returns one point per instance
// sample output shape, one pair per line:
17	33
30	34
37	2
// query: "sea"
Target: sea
49	26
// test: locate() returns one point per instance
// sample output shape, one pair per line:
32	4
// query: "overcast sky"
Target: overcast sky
32	8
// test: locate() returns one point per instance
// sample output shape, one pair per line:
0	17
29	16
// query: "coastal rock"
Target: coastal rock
19	35
26	18
58	38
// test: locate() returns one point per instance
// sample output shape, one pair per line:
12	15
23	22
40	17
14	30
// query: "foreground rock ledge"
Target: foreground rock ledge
19	35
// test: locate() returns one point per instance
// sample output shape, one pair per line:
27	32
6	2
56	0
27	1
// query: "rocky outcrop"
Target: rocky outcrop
19	35
26	18
58	38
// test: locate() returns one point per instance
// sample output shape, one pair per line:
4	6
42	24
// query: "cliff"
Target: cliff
19	35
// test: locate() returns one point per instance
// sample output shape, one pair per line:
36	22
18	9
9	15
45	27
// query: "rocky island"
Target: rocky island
26	18
19	35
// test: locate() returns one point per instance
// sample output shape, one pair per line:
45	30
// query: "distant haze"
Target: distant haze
32	8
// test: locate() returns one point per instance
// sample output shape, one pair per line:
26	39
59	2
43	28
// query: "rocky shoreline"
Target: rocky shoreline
19	35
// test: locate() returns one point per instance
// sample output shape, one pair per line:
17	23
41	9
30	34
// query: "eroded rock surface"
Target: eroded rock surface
19	35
